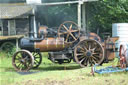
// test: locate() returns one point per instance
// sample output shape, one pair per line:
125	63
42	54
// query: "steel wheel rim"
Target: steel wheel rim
70	31
22	61
85	55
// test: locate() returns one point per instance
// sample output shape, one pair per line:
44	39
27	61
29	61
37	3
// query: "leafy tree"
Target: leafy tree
106	12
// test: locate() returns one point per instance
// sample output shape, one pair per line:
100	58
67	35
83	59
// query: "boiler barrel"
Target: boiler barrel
50	44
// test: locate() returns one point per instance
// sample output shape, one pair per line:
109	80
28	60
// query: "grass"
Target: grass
54	74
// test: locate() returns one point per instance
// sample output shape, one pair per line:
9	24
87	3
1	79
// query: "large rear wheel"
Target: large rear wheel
89	52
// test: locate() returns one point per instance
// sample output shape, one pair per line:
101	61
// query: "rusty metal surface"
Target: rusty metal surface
11	37
50	44
94	36
109	47
110	55
44	30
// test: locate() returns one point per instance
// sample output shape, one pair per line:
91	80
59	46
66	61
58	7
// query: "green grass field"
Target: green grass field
54	74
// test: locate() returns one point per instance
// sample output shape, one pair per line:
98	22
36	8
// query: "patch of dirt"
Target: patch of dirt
53	82
122	81
49	81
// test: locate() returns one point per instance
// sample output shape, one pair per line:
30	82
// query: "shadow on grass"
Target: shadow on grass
55	68
44	67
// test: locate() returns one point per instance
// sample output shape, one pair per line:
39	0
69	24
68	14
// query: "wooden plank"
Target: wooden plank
11	27
11	37
17	45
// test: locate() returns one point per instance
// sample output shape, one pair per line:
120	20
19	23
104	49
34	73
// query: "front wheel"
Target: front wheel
22	61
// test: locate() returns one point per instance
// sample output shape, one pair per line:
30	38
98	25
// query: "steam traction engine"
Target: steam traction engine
63	45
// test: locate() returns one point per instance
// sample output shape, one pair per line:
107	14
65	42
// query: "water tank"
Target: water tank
120	30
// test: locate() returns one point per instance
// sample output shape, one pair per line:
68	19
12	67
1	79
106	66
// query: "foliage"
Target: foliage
9	53
106	12
53	16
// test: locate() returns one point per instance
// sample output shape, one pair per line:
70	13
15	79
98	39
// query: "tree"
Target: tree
106	12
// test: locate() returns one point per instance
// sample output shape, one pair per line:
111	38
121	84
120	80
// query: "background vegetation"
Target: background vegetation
106	12
100	14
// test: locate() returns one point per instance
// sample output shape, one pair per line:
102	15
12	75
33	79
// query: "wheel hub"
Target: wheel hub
88	53
22	61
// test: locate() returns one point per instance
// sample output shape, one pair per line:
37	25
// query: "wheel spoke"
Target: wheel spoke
67	37
95	53
65	28
78	54
81	48
74	30
85	45
36	61
35	54
70	28
36	57
85	48
85	61
82	59
19	65
93	61
89	46
93	49
63	33
95	58
17	61
73	36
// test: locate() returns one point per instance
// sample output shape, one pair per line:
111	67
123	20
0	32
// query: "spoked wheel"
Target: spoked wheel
89	52
22	60
37	59
70	31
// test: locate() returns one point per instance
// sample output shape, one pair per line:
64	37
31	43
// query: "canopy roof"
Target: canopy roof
8	11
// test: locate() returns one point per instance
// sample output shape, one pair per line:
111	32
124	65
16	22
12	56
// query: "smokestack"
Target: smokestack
31	26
